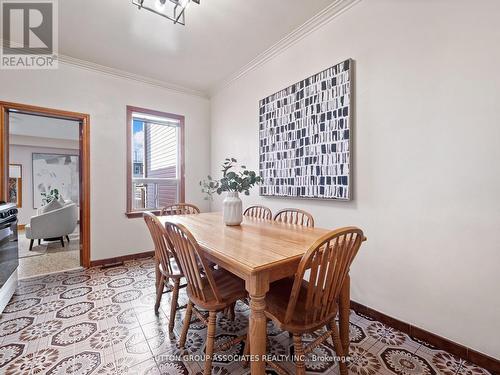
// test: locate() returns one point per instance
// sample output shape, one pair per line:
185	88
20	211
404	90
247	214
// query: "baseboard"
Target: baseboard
489	363
123	258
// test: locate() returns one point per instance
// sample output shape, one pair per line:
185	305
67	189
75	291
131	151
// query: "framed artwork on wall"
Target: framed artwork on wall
16	184
305	137
55	171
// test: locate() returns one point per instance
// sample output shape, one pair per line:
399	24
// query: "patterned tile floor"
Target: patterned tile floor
102	322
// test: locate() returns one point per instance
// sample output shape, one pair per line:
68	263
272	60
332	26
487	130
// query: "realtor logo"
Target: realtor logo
29	34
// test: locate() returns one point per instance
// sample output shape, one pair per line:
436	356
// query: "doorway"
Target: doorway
44	158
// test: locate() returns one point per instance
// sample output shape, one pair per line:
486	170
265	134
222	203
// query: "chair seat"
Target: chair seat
231	288
53	224
277	299
176	272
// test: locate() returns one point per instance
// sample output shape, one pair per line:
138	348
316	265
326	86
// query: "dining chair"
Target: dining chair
294	216
180	209
167	267
306	304
212	290
260	212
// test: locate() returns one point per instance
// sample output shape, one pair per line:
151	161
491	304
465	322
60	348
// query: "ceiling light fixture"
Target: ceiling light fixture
174	10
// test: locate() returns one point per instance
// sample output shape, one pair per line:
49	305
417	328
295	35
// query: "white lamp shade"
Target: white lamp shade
15	171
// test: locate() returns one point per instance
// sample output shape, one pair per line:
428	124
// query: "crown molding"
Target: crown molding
326	15
72	61
335	9
84	64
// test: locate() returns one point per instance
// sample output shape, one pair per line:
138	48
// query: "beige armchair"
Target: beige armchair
53	225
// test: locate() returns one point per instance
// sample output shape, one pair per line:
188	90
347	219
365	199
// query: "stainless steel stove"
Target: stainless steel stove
9	253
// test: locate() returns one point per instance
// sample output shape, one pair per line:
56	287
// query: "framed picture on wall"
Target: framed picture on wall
305	137
55	171
16	184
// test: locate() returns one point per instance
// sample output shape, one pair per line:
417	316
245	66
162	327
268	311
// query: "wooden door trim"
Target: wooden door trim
84	120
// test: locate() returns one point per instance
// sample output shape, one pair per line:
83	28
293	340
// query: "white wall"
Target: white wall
26	140
427	144
105	98
23	155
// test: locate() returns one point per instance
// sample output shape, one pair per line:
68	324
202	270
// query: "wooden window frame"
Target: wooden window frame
130	212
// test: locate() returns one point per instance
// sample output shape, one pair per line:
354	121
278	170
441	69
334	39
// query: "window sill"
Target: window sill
136	214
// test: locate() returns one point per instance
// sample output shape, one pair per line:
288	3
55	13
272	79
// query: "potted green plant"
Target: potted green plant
48	197
235	179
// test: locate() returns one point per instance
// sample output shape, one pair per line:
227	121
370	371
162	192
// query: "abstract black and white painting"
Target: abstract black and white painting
305	134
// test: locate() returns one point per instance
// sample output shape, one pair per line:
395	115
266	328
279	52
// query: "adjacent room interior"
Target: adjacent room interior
249	187
44	182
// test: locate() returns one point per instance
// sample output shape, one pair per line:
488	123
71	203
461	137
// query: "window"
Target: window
155	160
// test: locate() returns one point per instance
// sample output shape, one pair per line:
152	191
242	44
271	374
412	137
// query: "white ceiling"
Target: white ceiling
219	38
43	127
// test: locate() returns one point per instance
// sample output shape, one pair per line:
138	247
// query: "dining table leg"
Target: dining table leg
257	287
345	305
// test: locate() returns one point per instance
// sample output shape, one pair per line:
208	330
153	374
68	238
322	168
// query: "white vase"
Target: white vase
232	209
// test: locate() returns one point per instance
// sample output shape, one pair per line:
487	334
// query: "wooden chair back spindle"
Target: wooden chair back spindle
159	235
180	209
192	262
295	216
259	212
328	261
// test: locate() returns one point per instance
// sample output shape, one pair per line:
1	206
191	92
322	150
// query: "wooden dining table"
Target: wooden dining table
258	251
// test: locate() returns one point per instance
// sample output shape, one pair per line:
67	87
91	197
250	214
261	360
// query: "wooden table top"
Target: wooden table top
255	245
